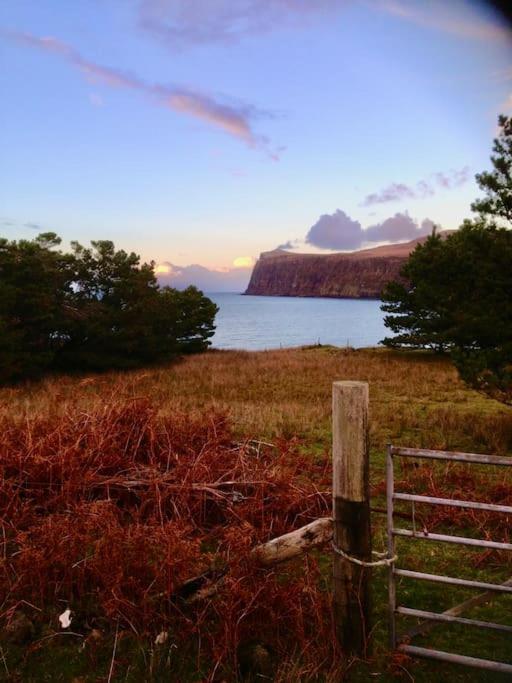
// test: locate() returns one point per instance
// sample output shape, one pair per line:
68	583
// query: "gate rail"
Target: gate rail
392	532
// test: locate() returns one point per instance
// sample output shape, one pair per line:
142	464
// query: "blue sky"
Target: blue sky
205	131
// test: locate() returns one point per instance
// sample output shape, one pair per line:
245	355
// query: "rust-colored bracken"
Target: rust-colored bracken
111	512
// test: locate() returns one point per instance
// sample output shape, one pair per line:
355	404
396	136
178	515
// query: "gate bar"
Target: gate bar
449	455
456	610
497	587
415	651
481	543
412	650
470	504
436	616
391	548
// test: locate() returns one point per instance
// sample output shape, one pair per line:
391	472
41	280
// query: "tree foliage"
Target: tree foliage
93	308
455	293
497	184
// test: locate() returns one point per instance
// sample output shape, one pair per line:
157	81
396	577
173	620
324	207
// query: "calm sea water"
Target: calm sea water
270	322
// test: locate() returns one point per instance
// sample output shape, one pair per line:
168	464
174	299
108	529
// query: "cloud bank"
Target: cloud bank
234	118
225	280
339	232
423	188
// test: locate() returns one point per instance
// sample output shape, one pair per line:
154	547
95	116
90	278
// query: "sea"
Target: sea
257	323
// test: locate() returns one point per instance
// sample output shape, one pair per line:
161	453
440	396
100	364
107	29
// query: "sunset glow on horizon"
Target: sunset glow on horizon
193	132
243	262
162	269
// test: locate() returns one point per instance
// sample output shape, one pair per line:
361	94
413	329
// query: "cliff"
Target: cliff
356	275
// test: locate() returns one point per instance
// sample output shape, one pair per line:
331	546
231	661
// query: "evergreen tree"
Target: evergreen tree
94	308
456	293
35	283
497	184
416	309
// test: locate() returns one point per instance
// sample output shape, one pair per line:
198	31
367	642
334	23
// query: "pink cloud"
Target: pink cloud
455	17
178	23
453	179
207	279
423	188
235	119
232	121
182	23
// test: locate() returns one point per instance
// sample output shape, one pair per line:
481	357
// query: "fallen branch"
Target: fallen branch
294	543
117	482
267	554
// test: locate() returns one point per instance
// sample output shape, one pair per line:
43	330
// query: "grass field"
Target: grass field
284	398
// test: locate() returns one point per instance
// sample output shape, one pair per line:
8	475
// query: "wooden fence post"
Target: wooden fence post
351	515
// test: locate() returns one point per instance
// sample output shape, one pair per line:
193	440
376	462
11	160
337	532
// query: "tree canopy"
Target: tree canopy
93	308
497	183
455	292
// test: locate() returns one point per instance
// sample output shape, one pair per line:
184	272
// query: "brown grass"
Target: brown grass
113	511
84	535
415	398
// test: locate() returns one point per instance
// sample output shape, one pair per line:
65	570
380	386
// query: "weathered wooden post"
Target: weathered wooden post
351	515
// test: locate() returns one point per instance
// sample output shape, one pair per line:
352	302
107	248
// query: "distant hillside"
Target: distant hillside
356	275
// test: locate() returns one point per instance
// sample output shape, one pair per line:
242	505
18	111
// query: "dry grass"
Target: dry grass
112	512
415	398
283	396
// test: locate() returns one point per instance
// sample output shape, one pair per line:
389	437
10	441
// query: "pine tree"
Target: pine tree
497	184
456	294
92	309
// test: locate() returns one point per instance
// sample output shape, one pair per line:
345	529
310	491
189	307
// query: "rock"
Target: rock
65	618
357	275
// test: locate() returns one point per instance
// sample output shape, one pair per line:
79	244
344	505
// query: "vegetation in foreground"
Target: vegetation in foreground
113	529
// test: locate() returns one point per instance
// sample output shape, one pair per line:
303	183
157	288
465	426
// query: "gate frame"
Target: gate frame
392	532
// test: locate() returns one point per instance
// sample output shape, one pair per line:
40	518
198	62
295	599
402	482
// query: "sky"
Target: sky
199	133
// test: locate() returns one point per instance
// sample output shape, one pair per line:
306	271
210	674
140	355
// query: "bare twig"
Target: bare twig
111	670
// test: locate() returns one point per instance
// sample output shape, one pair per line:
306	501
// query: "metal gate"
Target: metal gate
449	616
